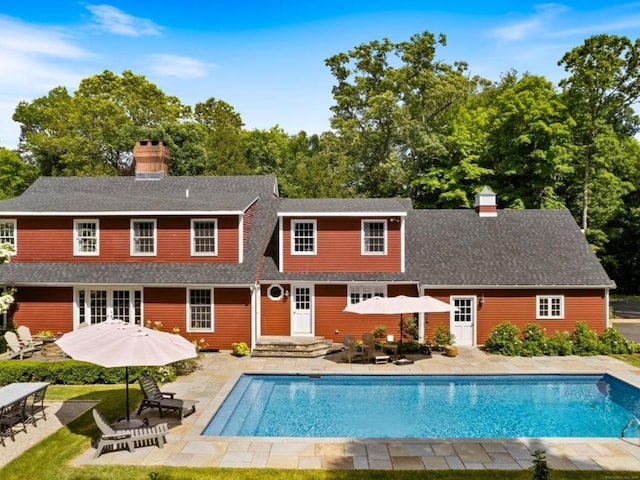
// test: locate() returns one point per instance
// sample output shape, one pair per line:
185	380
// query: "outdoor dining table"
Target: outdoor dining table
14	392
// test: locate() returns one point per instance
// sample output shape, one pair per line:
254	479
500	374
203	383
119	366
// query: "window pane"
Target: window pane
200	309
204	237
304	237
374	237
8	233
87	237
358	293
144	237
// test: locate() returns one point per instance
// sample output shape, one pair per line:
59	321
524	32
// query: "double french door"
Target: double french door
97	305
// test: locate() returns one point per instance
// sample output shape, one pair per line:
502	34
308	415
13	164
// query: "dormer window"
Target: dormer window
303	237
374	237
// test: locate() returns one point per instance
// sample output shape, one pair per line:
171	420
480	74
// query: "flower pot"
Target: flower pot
450	351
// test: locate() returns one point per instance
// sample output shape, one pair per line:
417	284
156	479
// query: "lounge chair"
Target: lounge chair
14	349
373	350
118	439
24	334
163	401
10	416
350	348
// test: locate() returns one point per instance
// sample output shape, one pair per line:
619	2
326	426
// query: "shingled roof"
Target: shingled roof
515	248
72	195
343	206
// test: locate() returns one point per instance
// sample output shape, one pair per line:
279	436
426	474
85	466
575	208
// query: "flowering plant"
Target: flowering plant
7	296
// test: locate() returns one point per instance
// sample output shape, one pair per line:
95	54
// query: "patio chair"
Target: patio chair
118	439
14	349
373	350
163	401
35	404
10	416
350	348
24	334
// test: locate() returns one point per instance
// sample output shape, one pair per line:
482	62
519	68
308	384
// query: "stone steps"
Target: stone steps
293	347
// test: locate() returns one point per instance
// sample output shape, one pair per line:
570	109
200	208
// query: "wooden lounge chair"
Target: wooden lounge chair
373	350
163	401
350	348
14	349
24	334
118	439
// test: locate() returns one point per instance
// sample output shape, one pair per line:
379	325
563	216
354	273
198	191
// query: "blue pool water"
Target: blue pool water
427	406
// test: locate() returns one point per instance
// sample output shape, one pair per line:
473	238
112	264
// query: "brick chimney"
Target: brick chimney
151	159
486	205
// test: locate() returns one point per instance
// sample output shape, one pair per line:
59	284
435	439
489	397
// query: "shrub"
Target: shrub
540	467
379	332
534	341
504	340
240	349
585	340
441	337
612	341
559	344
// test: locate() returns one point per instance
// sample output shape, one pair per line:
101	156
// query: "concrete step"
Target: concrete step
293	347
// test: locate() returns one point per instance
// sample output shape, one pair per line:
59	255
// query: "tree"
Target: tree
93	131
603	83
15	175
391	104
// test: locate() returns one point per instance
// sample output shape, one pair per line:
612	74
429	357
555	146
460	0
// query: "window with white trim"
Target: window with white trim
204	234
8	233
94	305
303	237
143	237
550	306
374	237
200	310
359	292
86	237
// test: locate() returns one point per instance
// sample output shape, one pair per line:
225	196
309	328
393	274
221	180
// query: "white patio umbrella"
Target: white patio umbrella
114	343
400	304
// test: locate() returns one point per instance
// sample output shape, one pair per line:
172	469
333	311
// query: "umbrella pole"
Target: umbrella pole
126	383
400	343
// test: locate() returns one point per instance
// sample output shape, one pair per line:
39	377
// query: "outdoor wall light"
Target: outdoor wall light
481	300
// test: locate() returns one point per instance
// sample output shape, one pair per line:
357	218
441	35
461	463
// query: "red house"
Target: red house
224	259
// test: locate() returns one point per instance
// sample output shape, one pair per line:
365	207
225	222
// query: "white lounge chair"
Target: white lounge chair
24	335
14	349
117	439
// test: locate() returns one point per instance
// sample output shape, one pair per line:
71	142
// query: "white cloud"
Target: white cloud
114	20
34	39
524	29
167	65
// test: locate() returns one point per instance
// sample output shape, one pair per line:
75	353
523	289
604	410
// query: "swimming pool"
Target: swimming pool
426	406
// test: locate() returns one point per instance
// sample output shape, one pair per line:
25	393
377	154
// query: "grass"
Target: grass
49	459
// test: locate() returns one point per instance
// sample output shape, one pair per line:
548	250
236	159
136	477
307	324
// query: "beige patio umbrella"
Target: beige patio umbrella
114	343
400	304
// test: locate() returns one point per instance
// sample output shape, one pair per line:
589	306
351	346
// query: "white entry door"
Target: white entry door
301	310
463	321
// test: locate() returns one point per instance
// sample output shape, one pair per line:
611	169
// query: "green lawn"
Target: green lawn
49	459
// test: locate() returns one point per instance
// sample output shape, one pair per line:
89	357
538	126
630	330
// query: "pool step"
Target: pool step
294	347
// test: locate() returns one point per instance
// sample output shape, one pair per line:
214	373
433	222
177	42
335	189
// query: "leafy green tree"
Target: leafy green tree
391	103
15	175
603	83
93	131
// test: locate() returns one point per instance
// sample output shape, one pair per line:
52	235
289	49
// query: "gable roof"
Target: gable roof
515	248
118	195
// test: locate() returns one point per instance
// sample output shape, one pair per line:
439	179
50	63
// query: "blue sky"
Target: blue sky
266	59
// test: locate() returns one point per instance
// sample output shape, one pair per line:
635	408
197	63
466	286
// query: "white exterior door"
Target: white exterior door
301	310
463	321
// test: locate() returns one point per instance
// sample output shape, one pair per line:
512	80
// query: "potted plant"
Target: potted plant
442	338
240	349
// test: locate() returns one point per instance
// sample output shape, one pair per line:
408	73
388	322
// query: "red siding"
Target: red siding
339	248
42	308
173	233
519	308
276	314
